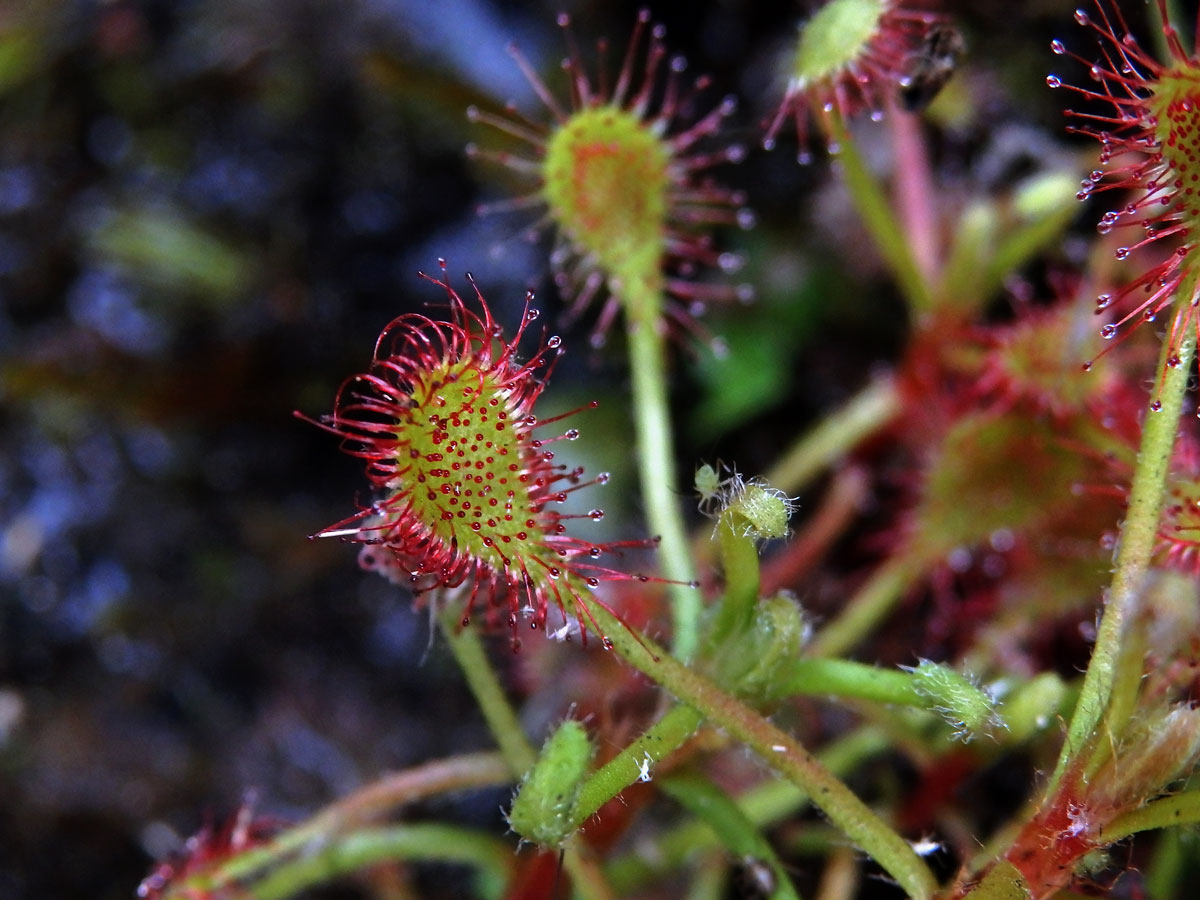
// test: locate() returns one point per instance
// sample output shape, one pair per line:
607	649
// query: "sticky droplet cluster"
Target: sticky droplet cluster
1150	152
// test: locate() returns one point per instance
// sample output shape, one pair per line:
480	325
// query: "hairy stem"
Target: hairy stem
739	562
1179	809
765	804
843	678
636	761
656	456
1139	534
781	752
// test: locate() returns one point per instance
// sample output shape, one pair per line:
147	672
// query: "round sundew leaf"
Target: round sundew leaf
1150	157
469	495
854	55
994	472
606	185
834	37
1174	111
622	170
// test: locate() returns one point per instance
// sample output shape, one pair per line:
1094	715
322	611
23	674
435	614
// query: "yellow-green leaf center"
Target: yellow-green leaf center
606	182
466	478
834	37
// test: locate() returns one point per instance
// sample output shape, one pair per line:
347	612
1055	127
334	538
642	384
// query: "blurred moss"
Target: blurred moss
169	251
20	53
756	372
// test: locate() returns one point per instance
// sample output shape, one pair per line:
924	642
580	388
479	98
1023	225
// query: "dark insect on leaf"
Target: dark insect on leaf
929	67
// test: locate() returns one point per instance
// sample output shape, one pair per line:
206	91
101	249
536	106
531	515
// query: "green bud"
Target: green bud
542	810
1162	750
1033	705
759	512
750	509
961	702
750	661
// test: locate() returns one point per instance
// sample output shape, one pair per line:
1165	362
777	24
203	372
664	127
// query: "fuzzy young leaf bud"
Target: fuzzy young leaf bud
541	811
961	702
760	511
750	661
750	509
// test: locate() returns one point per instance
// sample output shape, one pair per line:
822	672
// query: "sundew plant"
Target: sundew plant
782	463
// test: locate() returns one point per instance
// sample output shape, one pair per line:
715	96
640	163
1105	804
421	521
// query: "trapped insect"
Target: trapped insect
929	68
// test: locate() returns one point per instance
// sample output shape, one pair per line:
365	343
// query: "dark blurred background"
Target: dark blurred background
208	210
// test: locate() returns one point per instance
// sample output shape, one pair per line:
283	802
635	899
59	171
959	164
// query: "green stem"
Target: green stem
502	720
737	833
1029	240
873	205
865	413
780	751
656	457
1139	534
1128	673
425	842
378	798
843	678
1166	871
764	805
635	761
1180	809
867	607
711	881
739	562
